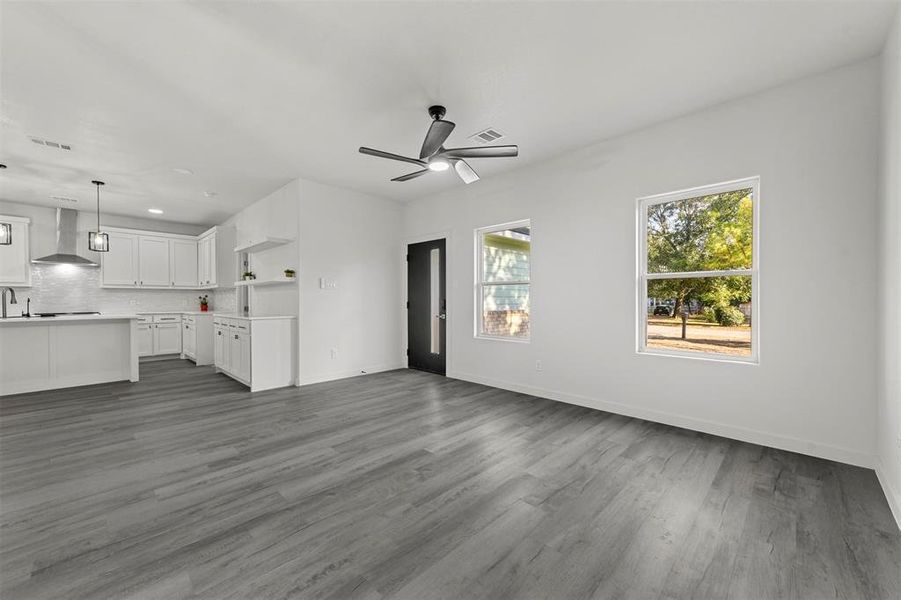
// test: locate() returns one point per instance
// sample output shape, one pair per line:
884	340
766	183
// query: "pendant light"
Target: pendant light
6	229
97	240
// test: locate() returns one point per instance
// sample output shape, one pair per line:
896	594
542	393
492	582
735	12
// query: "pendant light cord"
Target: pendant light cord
98	184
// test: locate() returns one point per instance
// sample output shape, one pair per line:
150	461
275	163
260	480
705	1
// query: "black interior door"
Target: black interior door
426	306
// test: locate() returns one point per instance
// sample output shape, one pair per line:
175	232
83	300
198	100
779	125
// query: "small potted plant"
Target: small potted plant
249	275
204	303
289	273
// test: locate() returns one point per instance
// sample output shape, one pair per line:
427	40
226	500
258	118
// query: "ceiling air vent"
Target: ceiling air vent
51	144
486	136
63	199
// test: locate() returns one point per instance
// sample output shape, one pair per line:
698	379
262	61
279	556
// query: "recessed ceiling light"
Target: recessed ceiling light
183	171
155	211
210	194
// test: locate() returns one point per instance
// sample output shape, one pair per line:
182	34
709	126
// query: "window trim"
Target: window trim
642	276
478	270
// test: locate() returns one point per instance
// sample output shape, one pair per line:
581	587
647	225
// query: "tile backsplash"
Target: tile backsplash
66	288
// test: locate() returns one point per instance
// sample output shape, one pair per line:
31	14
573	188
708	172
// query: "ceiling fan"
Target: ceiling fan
435	157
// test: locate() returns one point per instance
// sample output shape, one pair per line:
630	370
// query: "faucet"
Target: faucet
12	298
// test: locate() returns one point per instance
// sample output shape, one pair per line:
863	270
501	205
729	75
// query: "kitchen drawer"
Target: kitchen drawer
167	318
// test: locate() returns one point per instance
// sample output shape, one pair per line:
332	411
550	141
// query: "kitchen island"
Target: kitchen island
46	353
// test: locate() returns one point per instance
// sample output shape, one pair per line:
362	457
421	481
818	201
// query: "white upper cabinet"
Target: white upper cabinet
183	263
168	260
153	258
15	266
216	260
119	266
206	260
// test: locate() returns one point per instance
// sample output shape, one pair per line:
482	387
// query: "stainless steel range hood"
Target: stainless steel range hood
66	241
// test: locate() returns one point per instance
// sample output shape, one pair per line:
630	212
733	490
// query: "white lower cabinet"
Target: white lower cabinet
159	334
166	338
220	346
189	340
197	338
257	351
145	337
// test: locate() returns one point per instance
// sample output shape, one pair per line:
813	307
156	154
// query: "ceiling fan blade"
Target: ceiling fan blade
465	171
382	154
410	176
482	152
438	132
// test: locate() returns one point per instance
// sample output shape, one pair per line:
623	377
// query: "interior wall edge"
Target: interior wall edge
892	496
753	436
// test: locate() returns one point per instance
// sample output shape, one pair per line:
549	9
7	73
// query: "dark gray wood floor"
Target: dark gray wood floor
410	485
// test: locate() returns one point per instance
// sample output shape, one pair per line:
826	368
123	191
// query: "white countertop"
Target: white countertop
174	312
52	320
246	318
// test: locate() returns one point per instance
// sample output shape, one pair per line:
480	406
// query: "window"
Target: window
697	272
502	281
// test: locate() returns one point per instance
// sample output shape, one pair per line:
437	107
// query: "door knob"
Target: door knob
442	316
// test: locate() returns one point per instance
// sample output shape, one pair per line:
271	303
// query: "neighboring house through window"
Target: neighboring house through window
503	281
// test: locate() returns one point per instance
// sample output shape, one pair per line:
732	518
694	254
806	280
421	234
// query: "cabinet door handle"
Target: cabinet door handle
236	336
219	332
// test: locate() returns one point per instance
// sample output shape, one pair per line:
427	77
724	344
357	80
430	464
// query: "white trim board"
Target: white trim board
892	496
354	373
752	436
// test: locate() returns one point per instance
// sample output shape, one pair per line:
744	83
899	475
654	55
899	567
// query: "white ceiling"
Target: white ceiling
251	95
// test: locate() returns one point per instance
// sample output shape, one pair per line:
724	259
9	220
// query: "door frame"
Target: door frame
450	287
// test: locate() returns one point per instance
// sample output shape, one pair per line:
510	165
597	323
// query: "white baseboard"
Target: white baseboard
892	495
753	436
323	377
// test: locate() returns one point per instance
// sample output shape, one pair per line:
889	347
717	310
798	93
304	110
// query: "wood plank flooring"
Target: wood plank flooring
409	485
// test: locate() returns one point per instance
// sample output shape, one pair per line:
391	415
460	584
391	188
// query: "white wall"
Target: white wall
814	145
275	216
70	288
351	239
889	404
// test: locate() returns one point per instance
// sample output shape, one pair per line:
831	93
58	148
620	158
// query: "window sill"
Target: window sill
753	361
499	338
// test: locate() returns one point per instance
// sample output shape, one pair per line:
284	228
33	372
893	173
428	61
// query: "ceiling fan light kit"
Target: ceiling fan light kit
435	157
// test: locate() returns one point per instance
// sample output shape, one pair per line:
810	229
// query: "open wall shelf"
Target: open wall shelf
263	244
263	282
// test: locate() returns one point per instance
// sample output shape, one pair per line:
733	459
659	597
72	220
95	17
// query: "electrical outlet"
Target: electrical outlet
538	366
133	302
334	353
